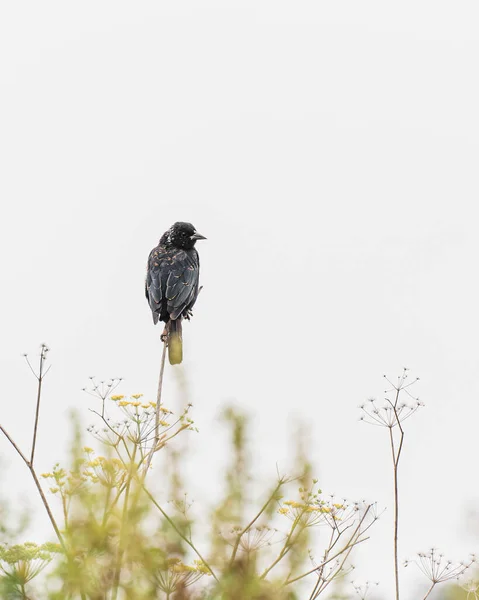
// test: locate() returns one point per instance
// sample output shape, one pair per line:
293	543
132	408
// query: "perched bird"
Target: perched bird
171	286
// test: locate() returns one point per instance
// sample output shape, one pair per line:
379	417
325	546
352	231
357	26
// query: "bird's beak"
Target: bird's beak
197	236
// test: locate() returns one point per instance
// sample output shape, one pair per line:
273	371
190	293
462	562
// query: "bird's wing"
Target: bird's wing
153	291
182	283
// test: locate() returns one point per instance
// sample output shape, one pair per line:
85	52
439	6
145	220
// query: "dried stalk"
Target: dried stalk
29	462
158	408
396	455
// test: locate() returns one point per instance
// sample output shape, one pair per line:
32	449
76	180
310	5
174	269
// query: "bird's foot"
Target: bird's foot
164	335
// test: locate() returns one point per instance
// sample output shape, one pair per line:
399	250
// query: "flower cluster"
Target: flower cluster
22	562
363	590
173	574
394	410
313	509
439	569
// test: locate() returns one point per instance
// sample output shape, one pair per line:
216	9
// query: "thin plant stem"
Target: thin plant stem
158	408
253	521
39	394
10	439
47	508
28	462
354	540
328	560
124	521
178	531
396	455
287	544
39	488
429	590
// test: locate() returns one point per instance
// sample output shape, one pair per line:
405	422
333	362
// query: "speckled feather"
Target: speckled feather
172	276
172	282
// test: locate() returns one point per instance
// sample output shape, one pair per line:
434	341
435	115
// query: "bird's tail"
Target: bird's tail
175	341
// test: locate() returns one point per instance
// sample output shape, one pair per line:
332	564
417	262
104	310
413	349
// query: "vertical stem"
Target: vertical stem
429	590
396	524
124	526
396	455
158	408
39	394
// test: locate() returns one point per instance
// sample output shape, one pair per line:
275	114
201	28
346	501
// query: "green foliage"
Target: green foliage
116	540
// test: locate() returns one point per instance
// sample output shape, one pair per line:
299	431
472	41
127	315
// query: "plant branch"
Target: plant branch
178	531
158	408
429	590
396	455
5	433
43	355
253	521
350	544
354	540
29	463
124	521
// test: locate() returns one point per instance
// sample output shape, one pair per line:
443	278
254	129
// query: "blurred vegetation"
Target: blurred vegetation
115	537
116	540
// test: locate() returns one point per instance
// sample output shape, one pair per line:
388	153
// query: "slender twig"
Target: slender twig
158	409
325	562
253	521
178	531
354	540
429	590
325	556
396	455
124	521
28	462
10	439
287	544
43	355
47	508
338	570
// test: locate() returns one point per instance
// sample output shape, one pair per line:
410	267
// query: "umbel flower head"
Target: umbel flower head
395	409
439	569
22	562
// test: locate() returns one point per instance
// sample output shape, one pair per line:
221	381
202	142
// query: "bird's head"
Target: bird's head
182	235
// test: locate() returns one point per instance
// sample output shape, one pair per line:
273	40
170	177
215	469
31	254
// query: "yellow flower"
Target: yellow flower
119	397
136	396
164	423
145	406
283	511
165	410
201	567
135	403
46	475
123	403
88	450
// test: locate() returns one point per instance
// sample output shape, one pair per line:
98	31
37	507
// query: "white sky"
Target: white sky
329	152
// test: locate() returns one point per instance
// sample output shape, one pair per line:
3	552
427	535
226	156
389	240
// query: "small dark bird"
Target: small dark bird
172	280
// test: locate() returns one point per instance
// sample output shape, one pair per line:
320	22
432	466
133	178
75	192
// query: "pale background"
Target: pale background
329	152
